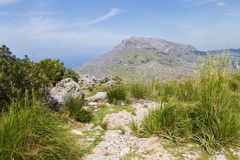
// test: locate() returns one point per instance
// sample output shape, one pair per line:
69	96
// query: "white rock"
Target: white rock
77	132
87	81
117	146
100	96
92	103
66	87
120	119
219	157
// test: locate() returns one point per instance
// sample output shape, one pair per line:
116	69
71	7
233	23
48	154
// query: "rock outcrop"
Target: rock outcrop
100	96
88	81
63	89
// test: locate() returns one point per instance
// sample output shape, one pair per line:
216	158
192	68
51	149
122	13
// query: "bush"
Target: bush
139	90
53	69
117	93
18	76
71	74
30	131
75	108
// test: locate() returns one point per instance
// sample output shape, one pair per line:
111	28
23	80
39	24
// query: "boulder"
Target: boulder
87	81
65	88
100	96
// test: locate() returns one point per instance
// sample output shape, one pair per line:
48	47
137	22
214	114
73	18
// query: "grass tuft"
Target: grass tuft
139	90
117	93
211	116
29	130
75	108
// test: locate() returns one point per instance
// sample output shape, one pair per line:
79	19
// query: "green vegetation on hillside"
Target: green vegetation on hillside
203	110
29	129
18	76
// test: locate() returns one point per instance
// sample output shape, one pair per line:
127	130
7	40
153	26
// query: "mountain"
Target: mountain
139	58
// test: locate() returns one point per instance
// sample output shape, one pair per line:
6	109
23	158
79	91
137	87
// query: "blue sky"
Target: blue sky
75	31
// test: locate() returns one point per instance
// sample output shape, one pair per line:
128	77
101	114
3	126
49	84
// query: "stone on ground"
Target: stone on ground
66	87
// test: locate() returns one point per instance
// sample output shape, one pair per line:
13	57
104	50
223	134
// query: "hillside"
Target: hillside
147	58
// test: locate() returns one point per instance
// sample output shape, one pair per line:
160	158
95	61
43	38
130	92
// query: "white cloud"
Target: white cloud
40	32
200	2
7	2
205	2
113	12
220	3
83	24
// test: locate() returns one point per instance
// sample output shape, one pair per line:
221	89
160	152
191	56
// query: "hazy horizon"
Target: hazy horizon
78	31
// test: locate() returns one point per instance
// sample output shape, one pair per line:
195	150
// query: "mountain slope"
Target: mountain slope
145	58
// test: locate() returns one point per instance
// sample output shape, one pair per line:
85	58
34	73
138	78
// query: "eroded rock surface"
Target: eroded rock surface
118	146
99	96
66	87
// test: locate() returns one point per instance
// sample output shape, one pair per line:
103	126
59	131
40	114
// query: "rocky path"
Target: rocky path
118	142
121	144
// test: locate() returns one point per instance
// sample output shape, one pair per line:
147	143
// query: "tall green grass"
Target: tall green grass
75	108
170	121
117	93
30	131
140	90
184	90
211	118
216	125
234	82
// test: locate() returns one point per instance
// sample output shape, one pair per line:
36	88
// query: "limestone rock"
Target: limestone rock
120	119
66	87
100	96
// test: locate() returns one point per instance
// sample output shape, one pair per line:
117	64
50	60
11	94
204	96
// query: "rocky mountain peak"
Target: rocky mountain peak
149	58
153	44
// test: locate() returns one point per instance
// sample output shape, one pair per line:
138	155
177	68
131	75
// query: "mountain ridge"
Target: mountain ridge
147	58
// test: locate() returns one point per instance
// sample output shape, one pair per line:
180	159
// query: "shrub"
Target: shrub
18	76
139	90
53	69
75	108
117	93
30	131
71	74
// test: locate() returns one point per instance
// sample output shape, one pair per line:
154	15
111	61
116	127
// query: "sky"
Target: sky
76	31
